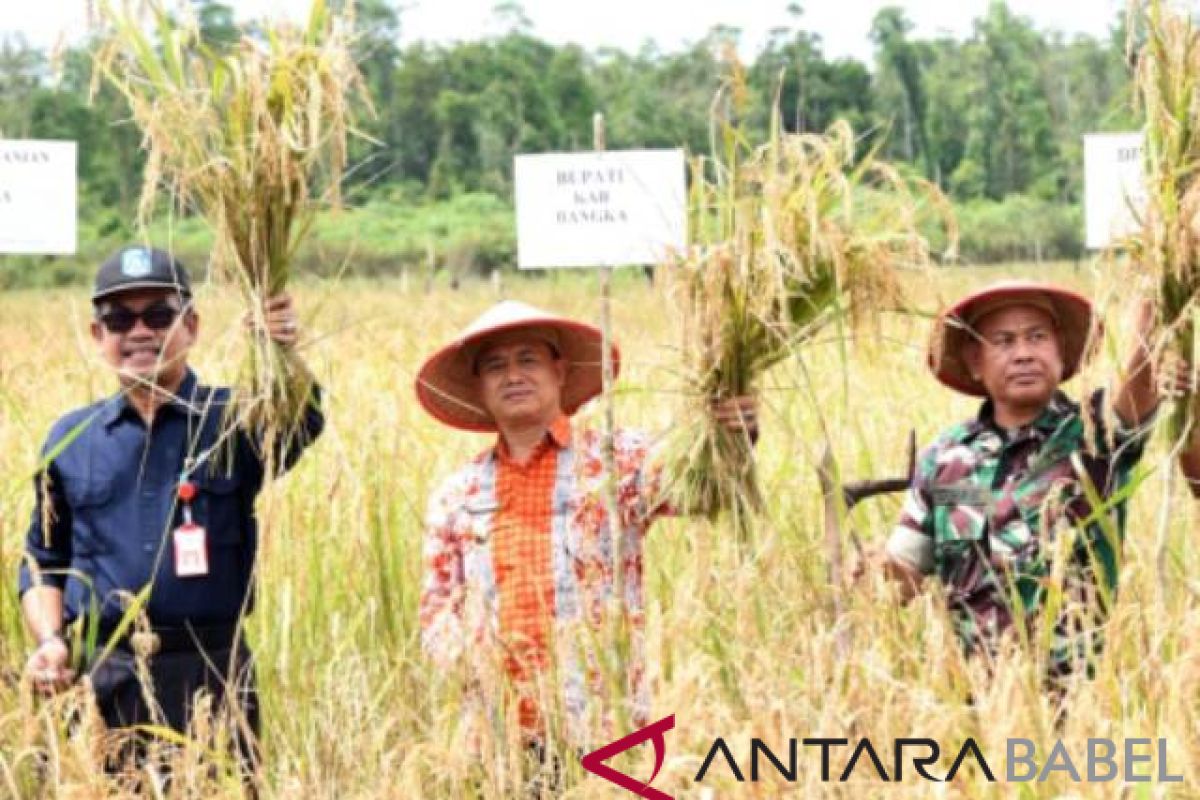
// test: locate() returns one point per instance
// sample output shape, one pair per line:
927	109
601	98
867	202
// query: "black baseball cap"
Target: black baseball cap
140	268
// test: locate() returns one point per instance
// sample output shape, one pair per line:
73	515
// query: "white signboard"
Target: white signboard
601	209
37	196
1114	186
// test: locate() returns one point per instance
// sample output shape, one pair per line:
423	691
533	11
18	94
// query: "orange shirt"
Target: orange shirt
521	535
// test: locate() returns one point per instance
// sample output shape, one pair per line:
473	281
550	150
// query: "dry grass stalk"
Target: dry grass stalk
253	138
788	238
1167	246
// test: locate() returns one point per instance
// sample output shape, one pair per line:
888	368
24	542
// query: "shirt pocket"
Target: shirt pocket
218	509
477	519
91	503
472	527
960	514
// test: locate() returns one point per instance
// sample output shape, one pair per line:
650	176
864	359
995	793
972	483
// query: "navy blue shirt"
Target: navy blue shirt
107	506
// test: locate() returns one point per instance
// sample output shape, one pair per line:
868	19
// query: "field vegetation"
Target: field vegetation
738	647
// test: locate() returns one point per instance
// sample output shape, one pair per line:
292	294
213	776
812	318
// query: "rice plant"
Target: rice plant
788	238
252	138
353	710
1167	246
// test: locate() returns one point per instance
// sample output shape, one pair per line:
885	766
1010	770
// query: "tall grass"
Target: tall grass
352	710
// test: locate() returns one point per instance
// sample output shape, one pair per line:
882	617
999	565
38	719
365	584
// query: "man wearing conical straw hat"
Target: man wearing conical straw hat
518	549
1035	486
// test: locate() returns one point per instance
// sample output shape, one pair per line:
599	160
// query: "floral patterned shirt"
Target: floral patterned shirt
459	605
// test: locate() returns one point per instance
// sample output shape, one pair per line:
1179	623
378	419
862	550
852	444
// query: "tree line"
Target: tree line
995	119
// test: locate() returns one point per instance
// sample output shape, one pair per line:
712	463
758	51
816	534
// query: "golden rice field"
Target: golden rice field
738	647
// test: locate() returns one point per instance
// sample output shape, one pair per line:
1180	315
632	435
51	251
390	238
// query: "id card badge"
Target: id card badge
191	551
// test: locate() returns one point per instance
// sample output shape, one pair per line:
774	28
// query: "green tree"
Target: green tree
811	91
948	108
1010	131
377	54
656	99
22	70
896	54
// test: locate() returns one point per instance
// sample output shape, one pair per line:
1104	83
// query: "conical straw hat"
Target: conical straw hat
954	327
448	387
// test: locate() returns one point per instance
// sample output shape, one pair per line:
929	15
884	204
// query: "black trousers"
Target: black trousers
175	677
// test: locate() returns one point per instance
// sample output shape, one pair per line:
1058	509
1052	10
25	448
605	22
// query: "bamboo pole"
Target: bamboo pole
618	629
606	362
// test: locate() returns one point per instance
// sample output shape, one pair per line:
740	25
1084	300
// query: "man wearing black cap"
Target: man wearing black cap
144	516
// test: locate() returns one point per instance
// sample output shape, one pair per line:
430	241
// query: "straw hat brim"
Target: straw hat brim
1075	316
448	388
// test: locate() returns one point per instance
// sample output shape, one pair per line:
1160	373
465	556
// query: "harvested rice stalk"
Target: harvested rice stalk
253	138
1167	246
788	237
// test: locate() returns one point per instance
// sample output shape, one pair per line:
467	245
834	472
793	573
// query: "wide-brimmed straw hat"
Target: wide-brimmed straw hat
448	386
1073	315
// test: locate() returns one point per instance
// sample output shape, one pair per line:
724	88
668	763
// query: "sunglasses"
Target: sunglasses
157	317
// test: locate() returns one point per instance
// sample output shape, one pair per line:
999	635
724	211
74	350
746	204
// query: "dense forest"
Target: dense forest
996	120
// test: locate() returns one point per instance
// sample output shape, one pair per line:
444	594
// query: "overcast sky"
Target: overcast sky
842	24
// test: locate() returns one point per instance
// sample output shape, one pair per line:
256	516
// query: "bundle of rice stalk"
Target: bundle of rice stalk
253	138
788	238
1167	245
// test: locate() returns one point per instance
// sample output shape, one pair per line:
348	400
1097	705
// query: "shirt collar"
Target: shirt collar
560	431
183	402
1059	407
558	434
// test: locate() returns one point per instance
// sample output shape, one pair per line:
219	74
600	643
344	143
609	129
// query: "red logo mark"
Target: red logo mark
594	762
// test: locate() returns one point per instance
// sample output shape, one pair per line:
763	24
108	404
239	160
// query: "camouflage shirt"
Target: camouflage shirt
1013	521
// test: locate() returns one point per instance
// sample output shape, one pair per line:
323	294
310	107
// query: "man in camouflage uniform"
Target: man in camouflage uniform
1025	503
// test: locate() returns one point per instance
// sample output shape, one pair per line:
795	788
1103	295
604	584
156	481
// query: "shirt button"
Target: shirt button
148	547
